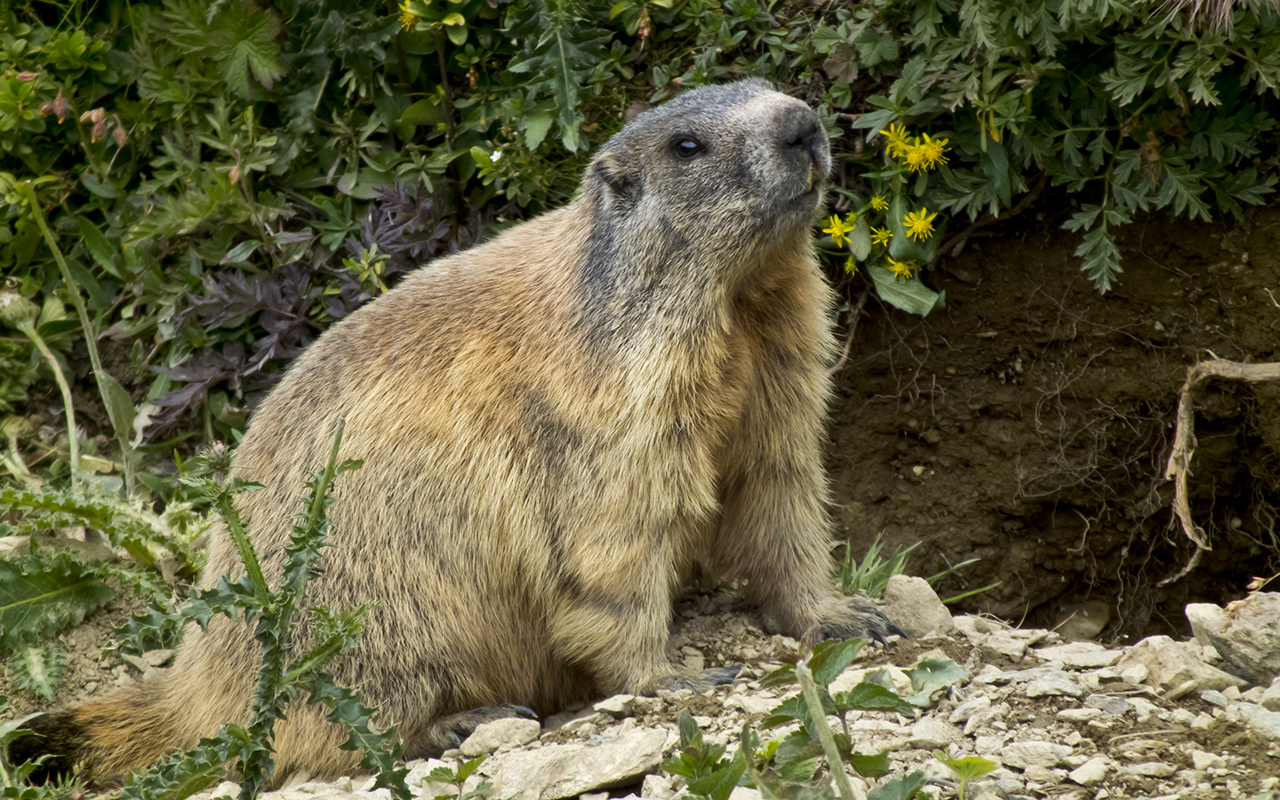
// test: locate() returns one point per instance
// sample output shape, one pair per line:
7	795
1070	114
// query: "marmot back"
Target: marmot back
555	427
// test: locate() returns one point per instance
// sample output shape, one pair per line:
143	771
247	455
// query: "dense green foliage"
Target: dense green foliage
226	179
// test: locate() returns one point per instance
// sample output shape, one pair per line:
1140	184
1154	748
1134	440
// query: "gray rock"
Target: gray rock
1206	621
1150	769
1080	655
931	733
1092	771
1173	665
1249	639
508	732
961	713
1257	718
620	705
563	770
1034	754
911	603
1270	699
1055	684
657	787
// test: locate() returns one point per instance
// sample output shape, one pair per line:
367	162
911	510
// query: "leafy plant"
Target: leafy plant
458	777
793	766
871	575
966	769
282	676
1129	109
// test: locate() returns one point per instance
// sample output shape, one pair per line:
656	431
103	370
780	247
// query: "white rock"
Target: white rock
1055	684
1034	753
1203	761
1257	718
1206	621
744	793
508	732
1169	664
931	733
1079	714
1249	639
1271	697
750	703
911	603
1150	769
657	787
1080	655
620	705
564	770
968	708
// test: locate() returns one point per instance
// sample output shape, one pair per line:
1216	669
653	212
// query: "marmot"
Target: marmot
556	426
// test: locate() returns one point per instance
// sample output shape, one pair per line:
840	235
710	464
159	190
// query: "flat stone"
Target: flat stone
1079	714
556	771
1150	769
508	732
1169	665
620	705
1080	655
1055	684
931	733
961	713
1270	699
1092	771
1034	753
1206	621
1256	718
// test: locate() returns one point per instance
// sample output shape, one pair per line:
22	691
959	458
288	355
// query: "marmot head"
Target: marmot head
727	171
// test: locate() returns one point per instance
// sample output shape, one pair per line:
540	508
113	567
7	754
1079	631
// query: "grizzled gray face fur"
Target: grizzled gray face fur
721	175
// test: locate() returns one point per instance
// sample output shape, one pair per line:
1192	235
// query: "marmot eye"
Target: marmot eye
686	147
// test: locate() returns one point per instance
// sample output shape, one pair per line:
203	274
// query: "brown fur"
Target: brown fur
555	427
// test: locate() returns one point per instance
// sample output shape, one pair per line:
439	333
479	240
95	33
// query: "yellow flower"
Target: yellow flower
896	144
881	236
839	229
900	269
931	151
919	224
915	158
407	18
878	203
850	265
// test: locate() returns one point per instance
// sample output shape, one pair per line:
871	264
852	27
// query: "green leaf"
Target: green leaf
871	766
904	788
38	669
932	675
873	697
536	128
50	595
910	295
424	112
102	252
120	407
832	657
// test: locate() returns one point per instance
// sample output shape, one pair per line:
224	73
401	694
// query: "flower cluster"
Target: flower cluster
919	153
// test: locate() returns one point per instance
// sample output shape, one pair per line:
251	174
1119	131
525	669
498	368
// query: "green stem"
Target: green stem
809	691
90	337
73	441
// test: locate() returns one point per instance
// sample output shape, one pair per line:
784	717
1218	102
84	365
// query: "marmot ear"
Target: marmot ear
620	180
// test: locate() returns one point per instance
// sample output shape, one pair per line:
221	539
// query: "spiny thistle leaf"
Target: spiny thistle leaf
38	669
43	595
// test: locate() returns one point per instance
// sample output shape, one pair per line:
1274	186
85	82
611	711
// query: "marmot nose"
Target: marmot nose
801	131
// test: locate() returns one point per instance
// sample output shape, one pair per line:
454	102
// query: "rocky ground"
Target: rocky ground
1061	719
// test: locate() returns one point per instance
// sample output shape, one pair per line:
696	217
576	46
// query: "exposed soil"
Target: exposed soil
1028	424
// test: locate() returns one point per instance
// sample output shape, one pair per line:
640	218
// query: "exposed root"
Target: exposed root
1184	442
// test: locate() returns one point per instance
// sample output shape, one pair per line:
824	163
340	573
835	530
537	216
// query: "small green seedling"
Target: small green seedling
965	769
